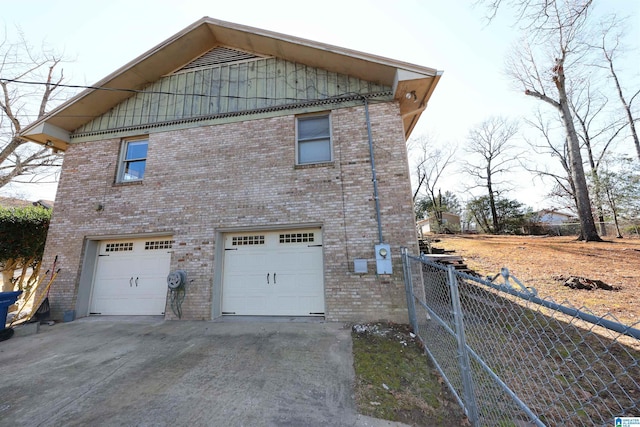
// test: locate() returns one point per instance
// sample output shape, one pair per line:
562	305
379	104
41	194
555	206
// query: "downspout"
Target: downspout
373	169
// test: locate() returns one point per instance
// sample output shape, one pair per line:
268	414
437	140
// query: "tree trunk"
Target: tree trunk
598	201
597	187
634	133
614	209
7	275
492	204
439	211
587	224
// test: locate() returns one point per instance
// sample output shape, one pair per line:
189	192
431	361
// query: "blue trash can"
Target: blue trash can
6	300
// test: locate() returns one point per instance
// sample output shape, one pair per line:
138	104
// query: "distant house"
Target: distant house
271	169
552	217
450	224
553	222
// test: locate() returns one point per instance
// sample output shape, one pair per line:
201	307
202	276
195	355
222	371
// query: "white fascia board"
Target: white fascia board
43	131
404	75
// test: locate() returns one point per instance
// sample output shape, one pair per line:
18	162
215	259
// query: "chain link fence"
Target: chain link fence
512	358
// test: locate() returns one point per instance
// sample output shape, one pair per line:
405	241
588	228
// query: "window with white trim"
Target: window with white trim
313	139
133	160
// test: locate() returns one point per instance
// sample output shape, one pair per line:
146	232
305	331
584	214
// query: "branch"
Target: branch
542	97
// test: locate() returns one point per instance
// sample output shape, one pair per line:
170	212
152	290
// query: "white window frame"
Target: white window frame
120	178
330	136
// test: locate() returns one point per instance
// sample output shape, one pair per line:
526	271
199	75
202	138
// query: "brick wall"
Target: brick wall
200	180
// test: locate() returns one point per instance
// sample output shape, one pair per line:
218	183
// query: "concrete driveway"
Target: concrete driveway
143	371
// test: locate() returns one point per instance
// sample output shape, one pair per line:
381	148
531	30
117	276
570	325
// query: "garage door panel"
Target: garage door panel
115	267
130	277
297	284
250	285
238	260
273	273
121	305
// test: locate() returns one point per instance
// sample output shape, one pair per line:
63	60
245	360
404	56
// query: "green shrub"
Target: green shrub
23	233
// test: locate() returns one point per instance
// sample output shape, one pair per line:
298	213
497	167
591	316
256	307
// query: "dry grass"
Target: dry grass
537	261
593	373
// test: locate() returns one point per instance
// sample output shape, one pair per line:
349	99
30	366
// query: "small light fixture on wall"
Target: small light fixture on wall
412	96
98	207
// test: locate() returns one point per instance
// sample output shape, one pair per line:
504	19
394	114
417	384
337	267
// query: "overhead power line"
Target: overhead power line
110	89
321	96
158	92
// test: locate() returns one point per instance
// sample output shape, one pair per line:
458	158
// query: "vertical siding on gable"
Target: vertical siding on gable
189	88
228	88
214	92
160	101
257	84
223	84
170	99
288	79
233	87
254	86
198	87
270	77
181	99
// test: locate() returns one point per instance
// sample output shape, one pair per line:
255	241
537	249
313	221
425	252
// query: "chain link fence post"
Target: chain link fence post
463	355
408	287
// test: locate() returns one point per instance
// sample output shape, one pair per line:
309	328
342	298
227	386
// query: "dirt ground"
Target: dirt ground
539	261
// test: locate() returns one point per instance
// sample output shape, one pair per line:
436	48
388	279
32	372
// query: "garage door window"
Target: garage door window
158	244
296	237
247	240
119	247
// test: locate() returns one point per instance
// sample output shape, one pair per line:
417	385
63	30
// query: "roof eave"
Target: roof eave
413	91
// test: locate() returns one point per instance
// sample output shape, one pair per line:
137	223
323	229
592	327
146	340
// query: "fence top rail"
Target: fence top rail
532	297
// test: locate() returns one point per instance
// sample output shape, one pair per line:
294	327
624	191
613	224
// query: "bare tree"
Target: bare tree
610	47
621	187
533	15
596	136
431	163
560	29
490	143
29	82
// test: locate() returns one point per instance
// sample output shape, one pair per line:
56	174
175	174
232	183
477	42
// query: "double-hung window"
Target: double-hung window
133	160
313	143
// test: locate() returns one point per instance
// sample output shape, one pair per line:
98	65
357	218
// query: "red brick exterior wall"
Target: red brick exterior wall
243	174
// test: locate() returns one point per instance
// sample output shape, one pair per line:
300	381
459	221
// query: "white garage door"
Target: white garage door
273	273
131	277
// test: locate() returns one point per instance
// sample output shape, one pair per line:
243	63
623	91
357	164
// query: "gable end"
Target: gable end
171	87
226	90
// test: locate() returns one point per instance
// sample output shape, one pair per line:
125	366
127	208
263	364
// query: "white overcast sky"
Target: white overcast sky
449	35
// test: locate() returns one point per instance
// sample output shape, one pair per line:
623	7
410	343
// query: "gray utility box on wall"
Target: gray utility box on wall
383	259
360	266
